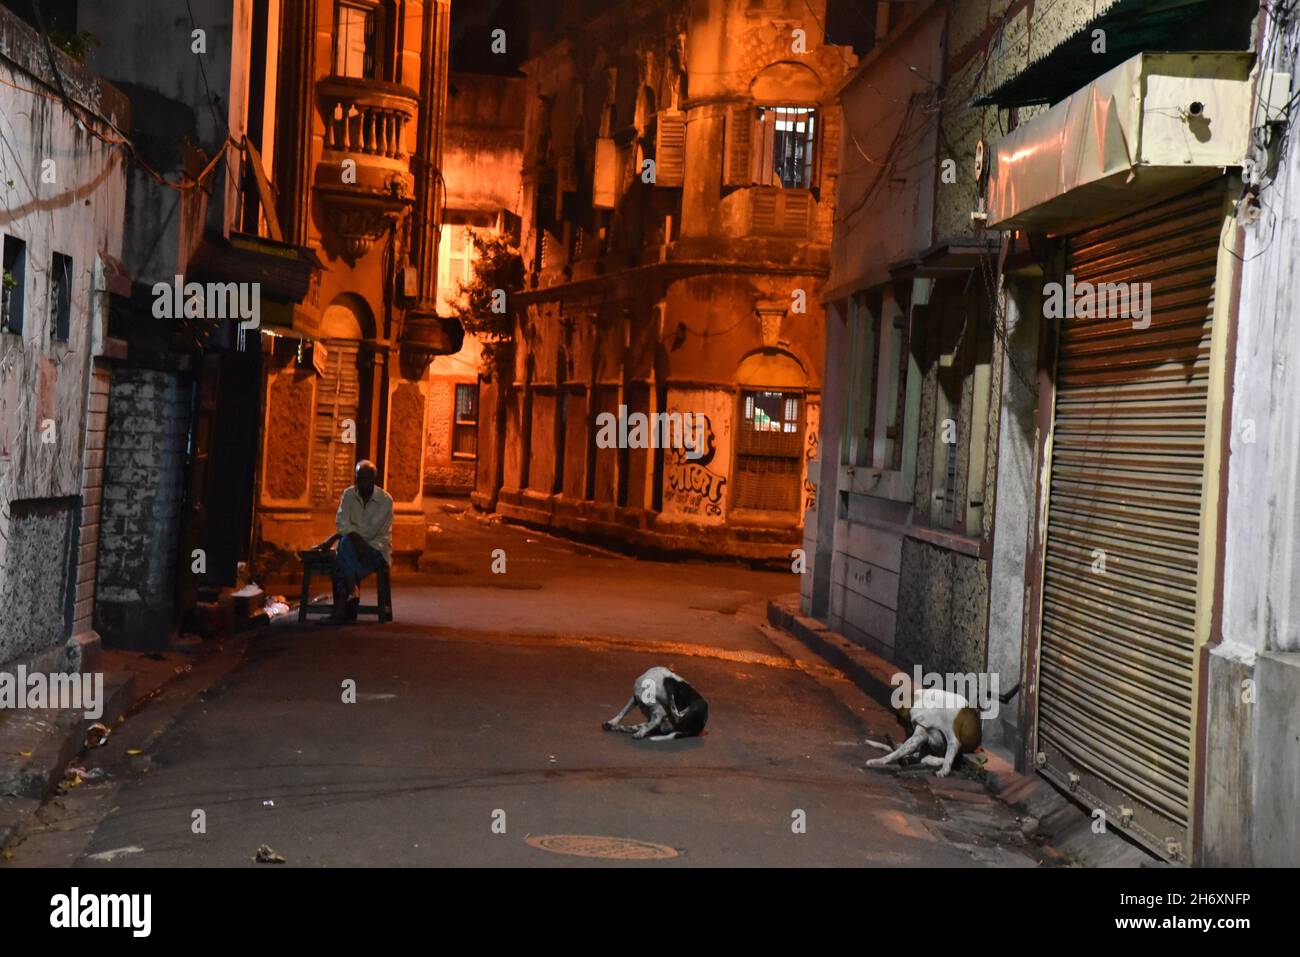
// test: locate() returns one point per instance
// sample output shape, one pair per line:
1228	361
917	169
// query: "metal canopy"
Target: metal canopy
1156	124
1131	27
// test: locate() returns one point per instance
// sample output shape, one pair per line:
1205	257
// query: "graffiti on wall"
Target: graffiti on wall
689	483
810	456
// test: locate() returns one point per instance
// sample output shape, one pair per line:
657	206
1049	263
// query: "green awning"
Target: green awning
1131	27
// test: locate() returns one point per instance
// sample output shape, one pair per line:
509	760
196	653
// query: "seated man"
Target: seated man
365	537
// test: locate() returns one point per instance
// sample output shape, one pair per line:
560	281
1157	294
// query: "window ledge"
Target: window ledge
761	518
892	484
974	547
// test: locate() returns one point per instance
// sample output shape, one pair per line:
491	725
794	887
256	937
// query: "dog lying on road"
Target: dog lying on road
939	720
671	706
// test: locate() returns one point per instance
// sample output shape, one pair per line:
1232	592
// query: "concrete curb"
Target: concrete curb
1043	810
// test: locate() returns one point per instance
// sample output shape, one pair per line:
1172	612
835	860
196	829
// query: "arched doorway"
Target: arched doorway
341	423
768	471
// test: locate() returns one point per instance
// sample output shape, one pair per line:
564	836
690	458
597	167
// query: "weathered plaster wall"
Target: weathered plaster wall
62	191
162	76
1251	797
888	157
148	419
942	603
1014	498
989	42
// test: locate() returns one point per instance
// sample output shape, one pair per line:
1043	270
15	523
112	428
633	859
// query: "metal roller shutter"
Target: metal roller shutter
1117	650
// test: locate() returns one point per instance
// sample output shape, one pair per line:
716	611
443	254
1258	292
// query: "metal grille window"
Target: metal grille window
464	429
786	146
354	54
769	451
60	297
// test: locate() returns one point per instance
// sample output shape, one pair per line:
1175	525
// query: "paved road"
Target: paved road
479	710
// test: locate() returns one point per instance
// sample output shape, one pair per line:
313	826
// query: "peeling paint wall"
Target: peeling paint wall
1252	753
62	191
148	418
942	604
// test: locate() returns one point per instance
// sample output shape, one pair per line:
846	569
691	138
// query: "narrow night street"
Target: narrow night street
487	693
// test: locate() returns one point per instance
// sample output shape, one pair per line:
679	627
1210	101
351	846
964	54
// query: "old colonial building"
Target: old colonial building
482	160
357	171
62	195
678	192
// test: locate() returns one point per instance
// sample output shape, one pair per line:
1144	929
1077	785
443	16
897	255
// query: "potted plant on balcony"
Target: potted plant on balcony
7	288
483	308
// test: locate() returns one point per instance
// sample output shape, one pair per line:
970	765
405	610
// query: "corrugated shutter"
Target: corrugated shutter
1116	708
337	399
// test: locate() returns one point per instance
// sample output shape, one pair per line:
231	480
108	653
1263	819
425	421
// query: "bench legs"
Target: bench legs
305	598
385	595
384	599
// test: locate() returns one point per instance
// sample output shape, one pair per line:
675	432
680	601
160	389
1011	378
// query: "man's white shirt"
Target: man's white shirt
372	520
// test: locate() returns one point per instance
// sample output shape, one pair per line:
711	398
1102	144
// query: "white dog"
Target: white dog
940	720
671	706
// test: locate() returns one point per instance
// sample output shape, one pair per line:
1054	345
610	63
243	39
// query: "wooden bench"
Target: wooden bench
322	563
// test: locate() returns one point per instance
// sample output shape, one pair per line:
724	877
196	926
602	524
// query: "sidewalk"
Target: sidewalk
38	746
1045	812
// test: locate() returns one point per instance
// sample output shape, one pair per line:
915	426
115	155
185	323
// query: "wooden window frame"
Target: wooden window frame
375	10
878	448
459	423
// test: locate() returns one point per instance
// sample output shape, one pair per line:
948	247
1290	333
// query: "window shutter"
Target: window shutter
819	142
459	258
670	148
605	176
794	218
738	146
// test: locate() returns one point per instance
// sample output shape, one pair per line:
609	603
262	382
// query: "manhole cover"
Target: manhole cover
610	848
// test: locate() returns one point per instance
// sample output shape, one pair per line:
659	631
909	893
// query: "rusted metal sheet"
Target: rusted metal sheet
1157	124
1118	615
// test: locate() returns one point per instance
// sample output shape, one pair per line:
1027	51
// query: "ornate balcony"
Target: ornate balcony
364	176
